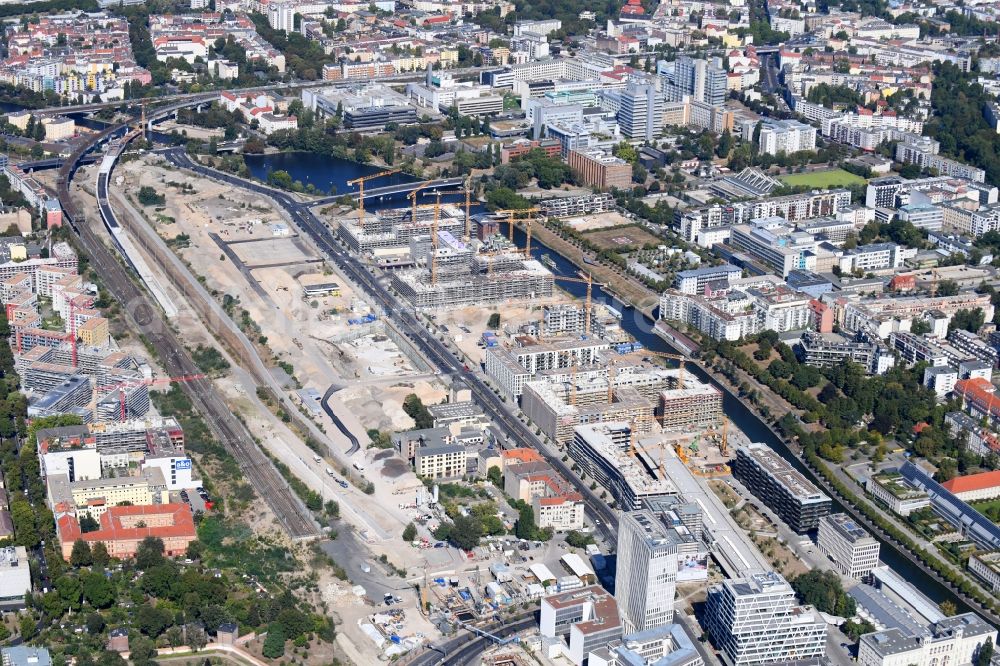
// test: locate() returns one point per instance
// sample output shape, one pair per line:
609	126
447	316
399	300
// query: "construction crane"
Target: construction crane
681	360
468	202
360	182
434	239
723	435
587	305
412	196
130	383
512	214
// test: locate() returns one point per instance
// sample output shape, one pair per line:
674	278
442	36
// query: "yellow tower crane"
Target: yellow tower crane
512	214
360	182
468	202
412	196
681	360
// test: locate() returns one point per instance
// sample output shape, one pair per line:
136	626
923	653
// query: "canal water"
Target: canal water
329	172
640	326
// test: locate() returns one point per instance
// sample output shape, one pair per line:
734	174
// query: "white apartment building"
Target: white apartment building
852	549
756	620
786	136
986	566
694	281
923	151
941	379
512	368
281	16
561	512
952	641
646	574
874	257
15	577
901	498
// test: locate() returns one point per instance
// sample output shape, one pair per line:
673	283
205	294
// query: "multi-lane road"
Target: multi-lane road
406	320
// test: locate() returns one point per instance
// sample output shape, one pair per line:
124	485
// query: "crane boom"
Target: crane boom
360	182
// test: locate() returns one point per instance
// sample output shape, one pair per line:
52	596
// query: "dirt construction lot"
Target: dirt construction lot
617	238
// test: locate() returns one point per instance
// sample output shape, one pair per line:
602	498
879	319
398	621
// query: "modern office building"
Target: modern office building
986	566
756	620
667	645
601	450
822	350
599	169
699	79
951	641
641	114
852	549
785	490
585	619
646	574
892	490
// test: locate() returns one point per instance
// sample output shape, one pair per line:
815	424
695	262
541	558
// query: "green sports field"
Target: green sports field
822	179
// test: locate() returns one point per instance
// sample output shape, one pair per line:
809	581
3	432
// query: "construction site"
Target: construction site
441	256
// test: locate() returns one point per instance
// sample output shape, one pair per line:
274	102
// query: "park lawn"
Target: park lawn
822	179
993	506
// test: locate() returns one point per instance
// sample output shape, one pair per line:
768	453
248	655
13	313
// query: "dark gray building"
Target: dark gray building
782	488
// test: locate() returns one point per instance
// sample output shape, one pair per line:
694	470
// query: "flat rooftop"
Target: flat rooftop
783	472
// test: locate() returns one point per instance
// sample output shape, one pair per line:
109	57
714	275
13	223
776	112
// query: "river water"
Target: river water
328	172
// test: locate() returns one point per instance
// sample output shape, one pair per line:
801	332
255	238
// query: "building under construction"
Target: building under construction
394	229
453	273
559	401
696	405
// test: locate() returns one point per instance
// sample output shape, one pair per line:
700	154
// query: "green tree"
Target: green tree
495	476
99	553
415	409
948	607
465	532
494	321
274	644
81	555
152	620
23	517
409	532
149	197
149	553
28	627
984	653
823	590
947	288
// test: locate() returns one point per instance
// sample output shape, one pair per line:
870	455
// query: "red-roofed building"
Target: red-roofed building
903	283
975	487
980	398
124	527
518	456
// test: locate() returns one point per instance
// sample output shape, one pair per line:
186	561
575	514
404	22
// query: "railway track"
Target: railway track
259	470
604	517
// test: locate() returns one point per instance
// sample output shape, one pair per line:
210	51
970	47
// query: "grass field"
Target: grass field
616	238
992	506
821	179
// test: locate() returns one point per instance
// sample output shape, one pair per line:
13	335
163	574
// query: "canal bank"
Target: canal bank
743	416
